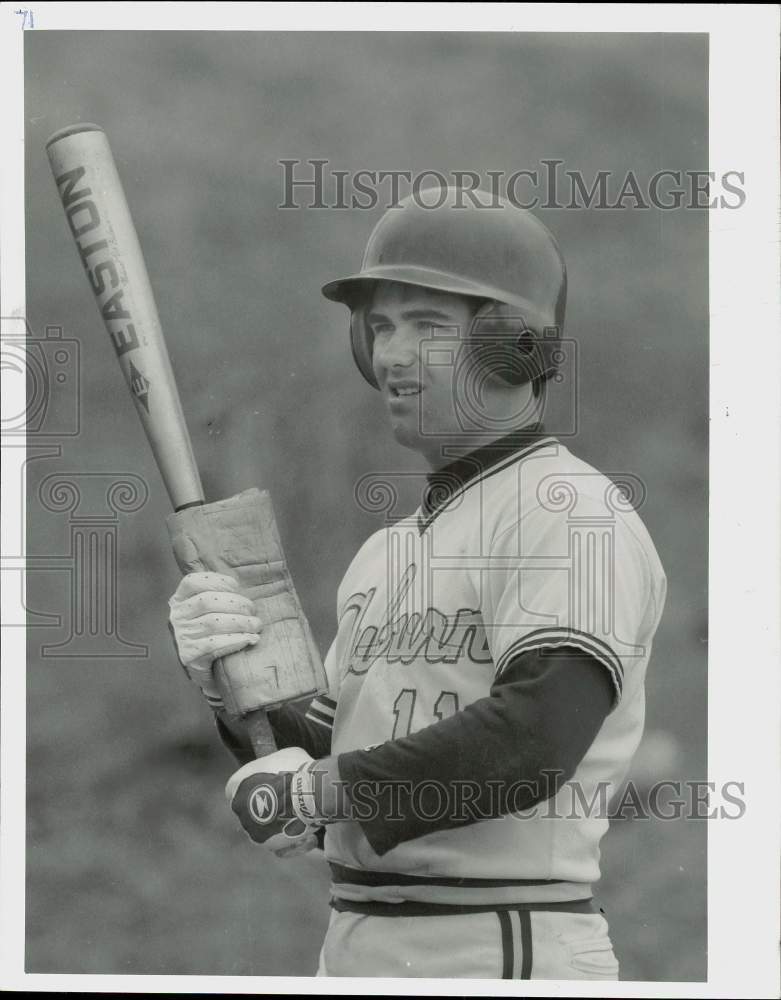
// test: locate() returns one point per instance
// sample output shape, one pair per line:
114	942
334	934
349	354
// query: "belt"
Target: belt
363	876
414	908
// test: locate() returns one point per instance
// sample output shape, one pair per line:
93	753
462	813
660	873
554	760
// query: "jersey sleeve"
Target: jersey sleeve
496	744
322	708
555	580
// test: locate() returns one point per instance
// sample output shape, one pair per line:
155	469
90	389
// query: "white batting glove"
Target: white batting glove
274	799
209	619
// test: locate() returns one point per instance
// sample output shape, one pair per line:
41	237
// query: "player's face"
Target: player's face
415	331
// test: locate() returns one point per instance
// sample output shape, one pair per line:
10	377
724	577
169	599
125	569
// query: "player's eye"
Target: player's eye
382	329
439	329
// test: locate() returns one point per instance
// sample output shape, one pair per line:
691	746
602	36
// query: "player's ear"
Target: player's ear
507	346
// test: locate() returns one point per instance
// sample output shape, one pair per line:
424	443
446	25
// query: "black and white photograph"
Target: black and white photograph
391	541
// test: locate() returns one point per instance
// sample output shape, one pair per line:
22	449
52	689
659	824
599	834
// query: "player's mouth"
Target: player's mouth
403	389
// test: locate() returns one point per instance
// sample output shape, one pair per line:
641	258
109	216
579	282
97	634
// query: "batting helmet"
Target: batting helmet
501	255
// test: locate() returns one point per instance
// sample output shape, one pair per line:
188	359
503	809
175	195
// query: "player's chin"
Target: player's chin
407	433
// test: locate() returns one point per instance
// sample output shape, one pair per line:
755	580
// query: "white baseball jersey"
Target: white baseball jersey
536	551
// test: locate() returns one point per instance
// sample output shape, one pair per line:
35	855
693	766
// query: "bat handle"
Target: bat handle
260	733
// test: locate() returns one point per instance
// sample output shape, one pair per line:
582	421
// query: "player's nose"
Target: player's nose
400	350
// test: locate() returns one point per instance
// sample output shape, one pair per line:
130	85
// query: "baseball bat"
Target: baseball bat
102	227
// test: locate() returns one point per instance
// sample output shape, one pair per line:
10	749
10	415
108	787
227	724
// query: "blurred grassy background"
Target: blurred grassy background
134	864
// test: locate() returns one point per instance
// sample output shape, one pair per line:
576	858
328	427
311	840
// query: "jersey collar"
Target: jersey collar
444	485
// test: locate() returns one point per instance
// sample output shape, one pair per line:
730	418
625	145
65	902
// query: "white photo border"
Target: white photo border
744	682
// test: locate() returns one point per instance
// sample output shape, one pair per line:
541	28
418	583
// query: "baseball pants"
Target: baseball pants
508	943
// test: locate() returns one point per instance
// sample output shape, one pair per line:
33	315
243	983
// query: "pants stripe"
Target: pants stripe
526	943
507	944
516	929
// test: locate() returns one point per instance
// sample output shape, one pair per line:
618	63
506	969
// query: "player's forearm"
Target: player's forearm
510	751
290	726
234	737
513	749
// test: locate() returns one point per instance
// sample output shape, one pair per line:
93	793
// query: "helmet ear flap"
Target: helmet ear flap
362	343
508	345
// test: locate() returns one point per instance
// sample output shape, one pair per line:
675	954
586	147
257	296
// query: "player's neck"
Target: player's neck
499	410
482	451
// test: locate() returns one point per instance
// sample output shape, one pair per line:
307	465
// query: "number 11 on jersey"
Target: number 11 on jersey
404	706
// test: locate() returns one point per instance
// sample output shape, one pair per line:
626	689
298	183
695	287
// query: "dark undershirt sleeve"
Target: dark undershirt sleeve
290	726
503	753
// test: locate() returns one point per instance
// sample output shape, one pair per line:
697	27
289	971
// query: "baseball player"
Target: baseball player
486	680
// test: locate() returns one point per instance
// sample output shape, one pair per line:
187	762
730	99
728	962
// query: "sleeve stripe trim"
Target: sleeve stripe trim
317	716
325	725
556	638
561	636
320	705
